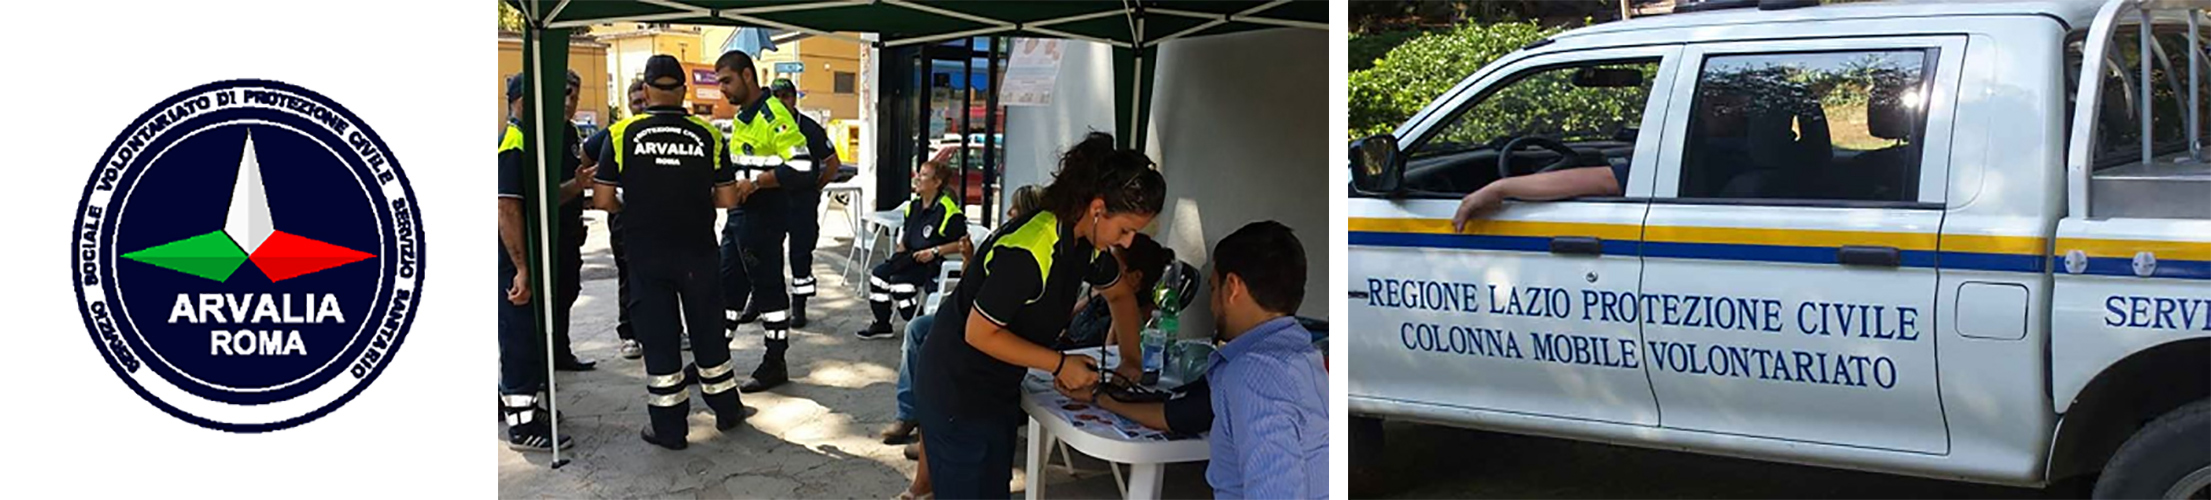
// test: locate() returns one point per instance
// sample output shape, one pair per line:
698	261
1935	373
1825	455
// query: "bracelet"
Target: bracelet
1062	365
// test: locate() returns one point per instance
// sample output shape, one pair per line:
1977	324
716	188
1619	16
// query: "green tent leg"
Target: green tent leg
544	95
1133	71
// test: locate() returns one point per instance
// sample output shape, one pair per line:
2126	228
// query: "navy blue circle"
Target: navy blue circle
328	195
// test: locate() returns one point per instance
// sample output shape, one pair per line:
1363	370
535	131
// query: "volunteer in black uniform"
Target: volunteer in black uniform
768	146
568	261
522	372
805	203
622	328
670	170
934	225
992	329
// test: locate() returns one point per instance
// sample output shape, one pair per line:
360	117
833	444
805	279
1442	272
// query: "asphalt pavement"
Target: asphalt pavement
1429	461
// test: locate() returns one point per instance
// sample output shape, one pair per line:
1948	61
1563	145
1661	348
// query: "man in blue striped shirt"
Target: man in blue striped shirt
1270	403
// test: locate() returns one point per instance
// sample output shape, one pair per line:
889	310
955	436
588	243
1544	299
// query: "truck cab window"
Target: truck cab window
1594	108
1807	126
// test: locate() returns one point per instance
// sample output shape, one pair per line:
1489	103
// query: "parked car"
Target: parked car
973	191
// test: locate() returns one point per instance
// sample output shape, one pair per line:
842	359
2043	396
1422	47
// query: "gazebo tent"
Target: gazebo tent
1134	28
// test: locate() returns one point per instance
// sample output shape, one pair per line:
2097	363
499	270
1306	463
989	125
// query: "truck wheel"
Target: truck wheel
1366	457
2169	458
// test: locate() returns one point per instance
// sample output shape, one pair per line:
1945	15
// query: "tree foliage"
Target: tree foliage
510	19
1412	74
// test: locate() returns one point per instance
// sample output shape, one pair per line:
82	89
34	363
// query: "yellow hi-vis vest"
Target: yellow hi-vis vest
764	143
512	139
1039	236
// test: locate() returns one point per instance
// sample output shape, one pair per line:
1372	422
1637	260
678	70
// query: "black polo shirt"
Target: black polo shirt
928	227
512	162
667	163
965	382
818	146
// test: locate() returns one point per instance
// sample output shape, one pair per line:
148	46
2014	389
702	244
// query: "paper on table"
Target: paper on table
1084	415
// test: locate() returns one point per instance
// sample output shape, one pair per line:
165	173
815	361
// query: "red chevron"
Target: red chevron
286	255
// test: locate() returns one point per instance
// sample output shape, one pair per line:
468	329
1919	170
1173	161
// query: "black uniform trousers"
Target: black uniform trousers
805	231
622	298
899	281
568	275
676	294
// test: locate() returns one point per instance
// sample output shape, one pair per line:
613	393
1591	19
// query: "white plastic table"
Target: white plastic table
1146	458
872	226
851	191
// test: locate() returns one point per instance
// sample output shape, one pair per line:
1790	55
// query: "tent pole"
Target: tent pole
540	214
926	69
990	134
967	102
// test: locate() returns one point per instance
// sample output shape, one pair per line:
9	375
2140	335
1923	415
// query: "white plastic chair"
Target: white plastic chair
947	278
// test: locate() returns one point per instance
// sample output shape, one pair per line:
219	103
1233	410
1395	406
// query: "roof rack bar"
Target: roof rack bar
2142	57
2195	84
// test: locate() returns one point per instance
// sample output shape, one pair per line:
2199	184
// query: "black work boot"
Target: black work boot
798	312
772	372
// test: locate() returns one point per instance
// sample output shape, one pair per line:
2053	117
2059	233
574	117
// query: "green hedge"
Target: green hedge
1369	47
1412	74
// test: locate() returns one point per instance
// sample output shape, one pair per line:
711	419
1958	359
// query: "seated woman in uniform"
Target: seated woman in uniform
933	227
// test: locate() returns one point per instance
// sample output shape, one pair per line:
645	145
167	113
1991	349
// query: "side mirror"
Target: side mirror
1376	166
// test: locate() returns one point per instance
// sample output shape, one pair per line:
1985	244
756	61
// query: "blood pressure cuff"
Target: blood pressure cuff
1190	412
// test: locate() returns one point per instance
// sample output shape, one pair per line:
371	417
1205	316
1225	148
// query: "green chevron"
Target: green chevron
213	256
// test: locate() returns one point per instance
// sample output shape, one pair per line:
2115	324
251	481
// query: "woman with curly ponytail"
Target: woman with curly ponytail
1016	298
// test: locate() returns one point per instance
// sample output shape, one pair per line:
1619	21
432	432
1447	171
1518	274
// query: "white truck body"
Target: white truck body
1728	326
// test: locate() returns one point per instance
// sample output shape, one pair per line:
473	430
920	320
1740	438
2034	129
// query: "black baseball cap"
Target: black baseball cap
514	84
661	67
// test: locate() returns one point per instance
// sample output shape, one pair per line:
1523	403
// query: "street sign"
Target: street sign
790	67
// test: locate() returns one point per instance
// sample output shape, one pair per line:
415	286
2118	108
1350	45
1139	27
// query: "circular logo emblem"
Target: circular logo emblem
248	255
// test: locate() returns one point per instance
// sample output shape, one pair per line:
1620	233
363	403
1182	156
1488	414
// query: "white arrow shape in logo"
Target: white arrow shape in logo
249	223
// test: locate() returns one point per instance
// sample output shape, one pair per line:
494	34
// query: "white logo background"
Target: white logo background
76	430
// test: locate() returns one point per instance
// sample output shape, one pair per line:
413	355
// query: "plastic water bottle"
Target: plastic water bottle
1165	324
1154	342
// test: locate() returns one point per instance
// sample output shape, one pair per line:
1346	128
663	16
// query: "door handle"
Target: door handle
1579	245
1859	255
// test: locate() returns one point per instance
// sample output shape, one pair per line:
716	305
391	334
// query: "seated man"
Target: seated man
934	226
1722	138
1270	405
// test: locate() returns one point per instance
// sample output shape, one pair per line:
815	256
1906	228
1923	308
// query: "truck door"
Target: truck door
2133	253
1493	319
1789	257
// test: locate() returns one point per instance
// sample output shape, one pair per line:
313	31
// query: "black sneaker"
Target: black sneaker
876	332
536	436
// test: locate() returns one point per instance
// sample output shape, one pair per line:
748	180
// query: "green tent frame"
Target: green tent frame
1134	28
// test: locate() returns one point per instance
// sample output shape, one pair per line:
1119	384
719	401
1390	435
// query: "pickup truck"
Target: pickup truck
1957	240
